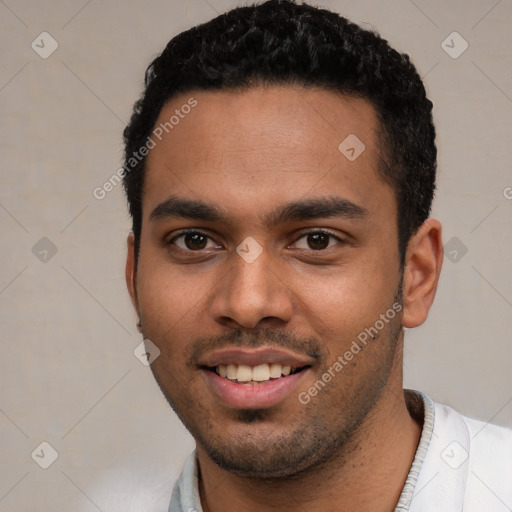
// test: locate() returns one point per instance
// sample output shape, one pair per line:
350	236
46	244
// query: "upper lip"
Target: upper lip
254	357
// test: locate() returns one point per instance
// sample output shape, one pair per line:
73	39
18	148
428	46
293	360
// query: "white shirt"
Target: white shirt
461	465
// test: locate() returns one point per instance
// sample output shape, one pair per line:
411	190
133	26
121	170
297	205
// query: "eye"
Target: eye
193	241
317	241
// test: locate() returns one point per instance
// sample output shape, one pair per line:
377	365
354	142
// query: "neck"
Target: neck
368	476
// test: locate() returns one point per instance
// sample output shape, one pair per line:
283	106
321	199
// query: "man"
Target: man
280	169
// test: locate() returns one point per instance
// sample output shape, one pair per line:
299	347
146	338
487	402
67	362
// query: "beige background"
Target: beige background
68	373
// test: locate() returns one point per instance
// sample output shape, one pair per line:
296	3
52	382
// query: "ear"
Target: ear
130	272
423	262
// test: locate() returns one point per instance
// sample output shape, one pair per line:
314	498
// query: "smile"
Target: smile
246	374
254	378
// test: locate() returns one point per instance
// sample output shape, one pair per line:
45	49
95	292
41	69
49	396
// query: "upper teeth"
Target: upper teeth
259	373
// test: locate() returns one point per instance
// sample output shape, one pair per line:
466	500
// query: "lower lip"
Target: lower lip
253	396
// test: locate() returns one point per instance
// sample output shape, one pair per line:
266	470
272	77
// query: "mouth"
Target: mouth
254	375
254	378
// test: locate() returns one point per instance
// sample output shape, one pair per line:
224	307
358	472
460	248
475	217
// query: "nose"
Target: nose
252	293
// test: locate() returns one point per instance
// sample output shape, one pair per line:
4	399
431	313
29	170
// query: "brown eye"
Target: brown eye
193	241
318	241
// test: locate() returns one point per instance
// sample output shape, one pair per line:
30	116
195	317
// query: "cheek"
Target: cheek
168	297
170	305
342	304
170	320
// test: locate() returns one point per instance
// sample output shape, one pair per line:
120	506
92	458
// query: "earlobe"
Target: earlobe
130	272
423	262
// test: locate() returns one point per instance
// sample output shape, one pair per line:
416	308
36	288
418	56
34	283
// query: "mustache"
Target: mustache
262	337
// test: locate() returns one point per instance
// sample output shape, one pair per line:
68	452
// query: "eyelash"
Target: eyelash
303	235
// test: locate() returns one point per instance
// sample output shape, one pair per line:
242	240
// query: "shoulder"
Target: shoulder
462	464
486	443
481	453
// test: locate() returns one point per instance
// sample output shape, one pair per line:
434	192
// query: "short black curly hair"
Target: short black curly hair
279	42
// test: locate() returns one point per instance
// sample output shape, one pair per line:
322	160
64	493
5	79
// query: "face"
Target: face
269	253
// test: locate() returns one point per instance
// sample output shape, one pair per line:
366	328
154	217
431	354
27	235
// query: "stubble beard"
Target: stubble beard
321	437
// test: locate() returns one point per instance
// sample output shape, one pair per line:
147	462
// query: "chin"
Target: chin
262	453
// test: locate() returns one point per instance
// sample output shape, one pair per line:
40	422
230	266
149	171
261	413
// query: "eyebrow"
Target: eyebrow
316	208
307	209
176	207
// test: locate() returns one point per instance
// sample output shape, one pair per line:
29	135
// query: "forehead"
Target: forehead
265	145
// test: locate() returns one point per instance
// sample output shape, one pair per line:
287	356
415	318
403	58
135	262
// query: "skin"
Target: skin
248	154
